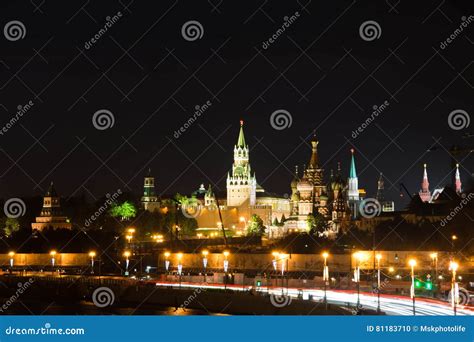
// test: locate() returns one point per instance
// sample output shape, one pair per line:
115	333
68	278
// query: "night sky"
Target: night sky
150	78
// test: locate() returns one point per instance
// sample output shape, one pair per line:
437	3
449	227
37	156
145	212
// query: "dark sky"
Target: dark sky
150	78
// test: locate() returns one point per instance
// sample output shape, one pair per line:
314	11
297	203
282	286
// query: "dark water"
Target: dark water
44	307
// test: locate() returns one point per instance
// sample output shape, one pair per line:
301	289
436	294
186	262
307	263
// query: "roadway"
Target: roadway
389	304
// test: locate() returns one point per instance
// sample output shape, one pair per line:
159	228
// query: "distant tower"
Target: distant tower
314	173
149	199
457	181
51	215
209	198
353	181
241	185
380	189
425	193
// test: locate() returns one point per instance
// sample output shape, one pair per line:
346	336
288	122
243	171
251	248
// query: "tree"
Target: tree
125	211
316	223
255	226
11	225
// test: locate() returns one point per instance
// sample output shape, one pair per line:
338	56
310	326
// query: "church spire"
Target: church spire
457	182
353	181
425	193
241	140
353	173
313	162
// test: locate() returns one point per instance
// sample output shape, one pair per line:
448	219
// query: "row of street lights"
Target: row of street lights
53	254
204	253
453	266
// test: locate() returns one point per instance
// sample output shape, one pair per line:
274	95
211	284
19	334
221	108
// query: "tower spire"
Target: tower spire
353	191
313	162
458	182
352	173
241	140
425	193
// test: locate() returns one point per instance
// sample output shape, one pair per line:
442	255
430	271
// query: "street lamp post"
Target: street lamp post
358	257
180	266
325	276
434	258
53	259
167	261
205	253
453	240
11	255
226	267
412	263
126	254
92	256
378	257
453	266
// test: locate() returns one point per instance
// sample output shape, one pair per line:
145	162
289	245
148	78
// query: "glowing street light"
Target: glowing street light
129	238
92	256
276	255
378	257
412	263
204	253
325	255
11	255
131	230
167	261
158	238
127	254
453	266
180	266
53	258
226	267
454	237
